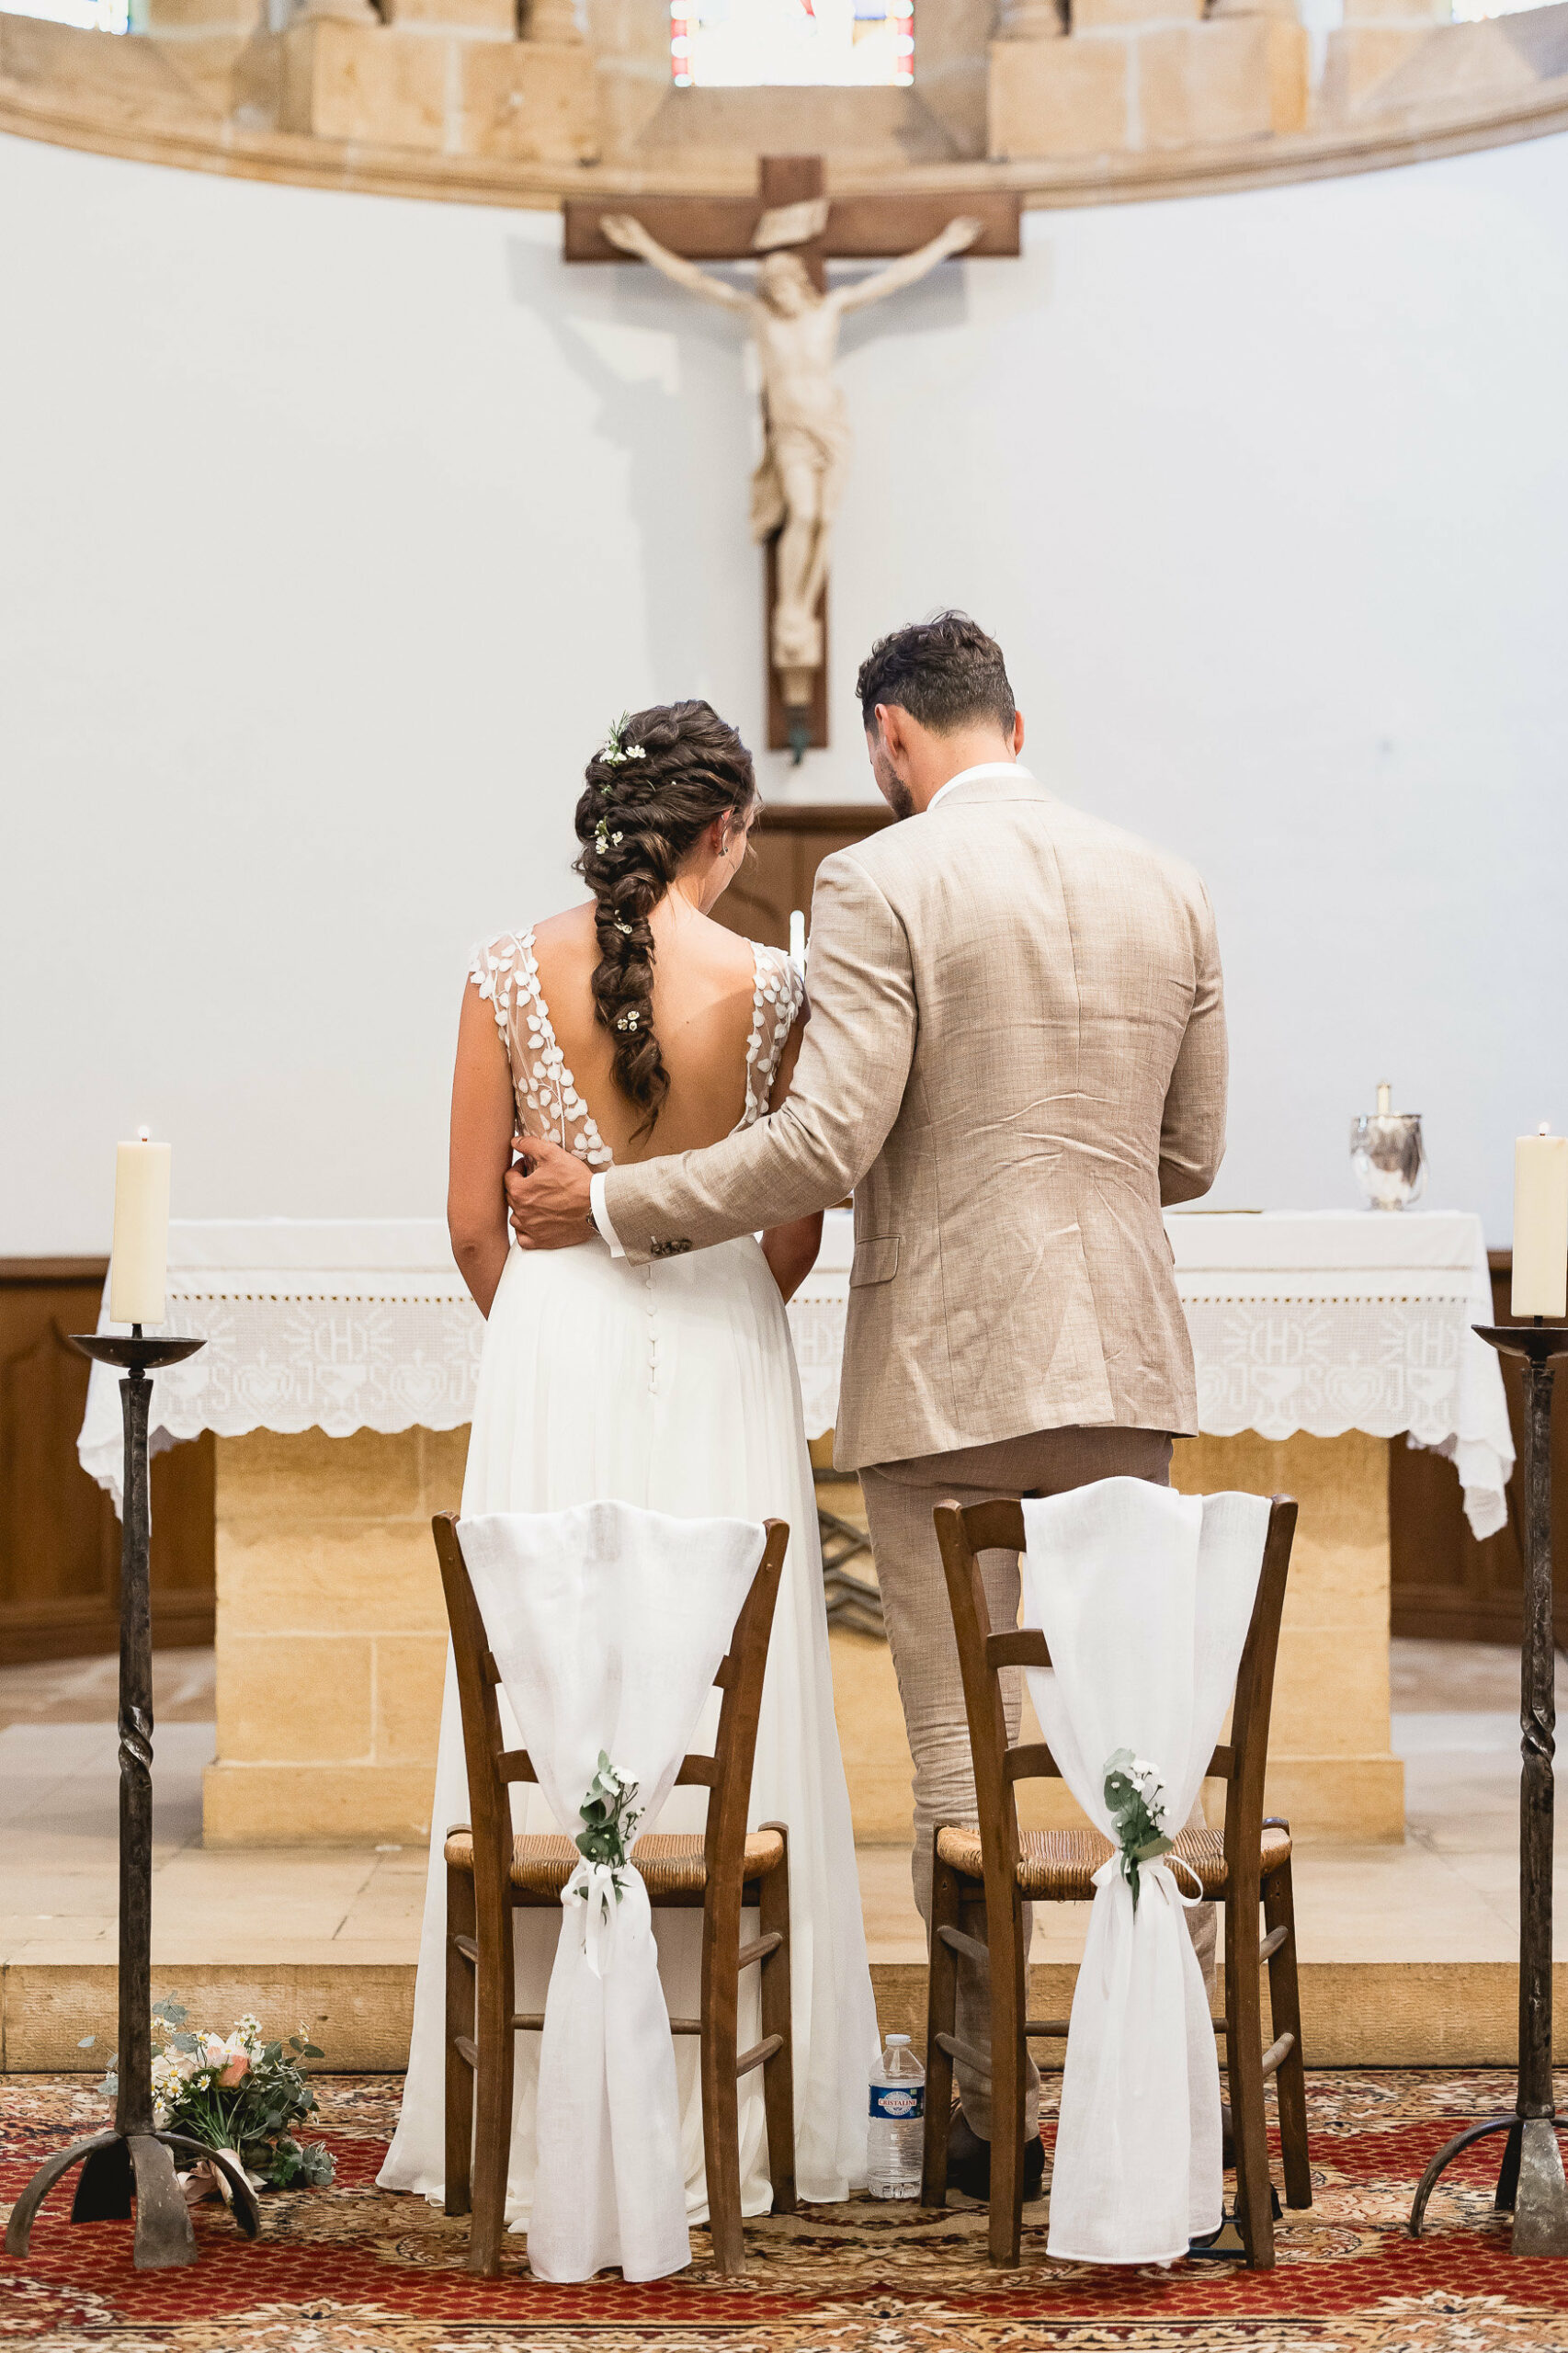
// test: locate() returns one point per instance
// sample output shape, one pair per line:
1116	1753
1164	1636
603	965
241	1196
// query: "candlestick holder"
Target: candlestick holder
136	2159
1531	2182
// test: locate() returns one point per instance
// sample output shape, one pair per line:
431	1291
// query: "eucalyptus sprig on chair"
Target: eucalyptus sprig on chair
609	1821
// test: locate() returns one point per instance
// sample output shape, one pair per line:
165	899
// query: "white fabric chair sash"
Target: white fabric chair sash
1144	1598
607	1625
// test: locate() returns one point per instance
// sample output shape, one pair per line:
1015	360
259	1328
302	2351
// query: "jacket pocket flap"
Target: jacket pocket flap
876	1260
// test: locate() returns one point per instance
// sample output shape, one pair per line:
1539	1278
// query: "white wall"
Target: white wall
333	530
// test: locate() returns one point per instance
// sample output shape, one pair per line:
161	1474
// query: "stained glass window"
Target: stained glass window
87	16
749	43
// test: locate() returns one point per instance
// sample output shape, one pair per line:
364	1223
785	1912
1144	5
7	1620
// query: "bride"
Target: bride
629	1026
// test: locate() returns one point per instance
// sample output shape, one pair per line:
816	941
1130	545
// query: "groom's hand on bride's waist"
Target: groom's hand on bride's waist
548	1195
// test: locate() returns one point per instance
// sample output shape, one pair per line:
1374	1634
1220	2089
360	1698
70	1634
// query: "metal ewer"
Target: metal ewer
136	2160
1530	2183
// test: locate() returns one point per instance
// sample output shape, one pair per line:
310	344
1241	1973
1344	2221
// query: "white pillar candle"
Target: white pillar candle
1540	1226
140	1256
798	939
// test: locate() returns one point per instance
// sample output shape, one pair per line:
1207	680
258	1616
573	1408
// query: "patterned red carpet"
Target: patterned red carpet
350	2270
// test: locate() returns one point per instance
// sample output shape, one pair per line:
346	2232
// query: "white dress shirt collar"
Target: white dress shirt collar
972	776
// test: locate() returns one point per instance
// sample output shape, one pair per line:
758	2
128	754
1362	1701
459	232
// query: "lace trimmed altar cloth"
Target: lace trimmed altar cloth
1320	1321
1316	1321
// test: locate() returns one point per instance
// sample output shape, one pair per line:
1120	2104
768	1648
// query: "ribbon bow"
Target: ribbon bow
598	1886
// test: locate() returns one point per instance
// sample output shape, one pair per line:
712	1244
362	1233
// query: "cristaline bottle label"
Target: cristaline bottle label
898	2102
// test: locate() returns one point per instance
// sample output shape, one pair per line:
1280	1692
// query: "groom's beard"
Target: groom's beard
890	784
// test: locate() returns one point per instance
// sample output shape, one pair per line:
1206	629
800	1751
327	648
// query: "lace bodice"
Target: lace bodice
506	972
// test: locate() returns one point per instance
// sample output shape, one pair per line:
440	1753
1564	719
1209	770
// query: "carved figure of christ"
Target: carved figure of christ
797	486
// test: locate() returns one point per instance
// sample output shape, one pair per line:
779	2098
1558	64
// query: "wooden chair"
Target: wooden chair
1013	1868
492	1871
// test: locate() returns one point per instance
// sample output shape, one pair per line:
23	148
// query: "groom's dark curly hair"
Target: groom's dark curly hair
945	672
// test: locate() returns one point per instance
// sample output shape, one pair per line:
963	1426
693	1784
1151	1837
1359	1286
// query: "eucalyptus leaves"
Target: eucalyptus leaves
609	1821
1136	1801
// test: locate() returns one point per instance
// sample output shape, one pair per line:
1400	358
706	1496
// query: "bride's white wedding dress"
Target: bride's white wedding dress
672	1386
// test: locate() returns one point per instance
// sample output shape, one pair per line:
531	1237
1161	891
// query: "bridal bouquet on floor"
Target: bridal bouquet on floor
236	2091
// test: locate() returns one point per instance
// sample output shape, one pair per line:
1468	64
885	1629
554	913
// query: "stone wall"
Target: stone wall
331	1636
1074	103
1135	75
331	1643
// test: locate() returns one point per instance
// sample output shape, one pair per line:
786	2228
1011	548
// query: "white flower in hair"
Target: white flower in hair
615	750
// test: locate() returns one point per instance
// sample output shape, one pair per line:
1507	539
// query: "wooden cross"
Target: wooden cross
869	227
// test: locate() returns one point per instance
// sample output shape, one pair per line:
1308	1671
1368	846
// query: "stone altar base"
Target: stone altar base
331	1645
332	1636
1331	1772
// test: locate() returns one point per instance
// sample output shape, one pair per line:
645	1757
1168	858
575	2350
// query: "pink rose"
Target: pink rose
235	2073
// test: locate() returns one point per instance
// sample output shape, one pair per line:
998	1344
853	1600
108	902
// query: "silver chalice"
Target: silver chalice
1387	1154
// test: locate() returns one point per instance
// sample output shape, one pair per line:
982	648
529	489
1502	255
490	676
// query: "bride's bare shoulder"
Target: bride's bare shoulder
572	929
723	951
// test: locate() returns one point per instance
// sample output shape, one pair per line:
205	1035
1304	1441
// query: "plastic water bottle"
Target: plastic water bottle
895	2141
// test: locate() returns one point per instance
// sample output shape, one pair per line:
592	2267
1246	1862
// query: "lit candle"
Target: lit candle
140	1231
798	940
1540	1226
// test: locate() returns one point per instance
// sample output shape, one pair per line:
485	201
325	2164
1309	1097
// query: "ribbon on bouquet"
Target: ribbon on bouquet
598	1885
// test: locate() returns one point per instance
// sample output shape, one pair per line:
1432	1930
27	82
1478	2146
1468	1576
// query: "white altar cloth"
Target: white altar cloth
1322	1321
1318	1320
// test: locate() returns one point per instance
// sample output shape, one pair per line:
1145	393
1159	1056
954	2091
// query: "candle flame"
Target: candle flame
143	1136
1544	1129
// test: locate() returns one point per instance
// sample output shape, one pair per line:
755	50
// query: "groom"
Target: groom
1016	1056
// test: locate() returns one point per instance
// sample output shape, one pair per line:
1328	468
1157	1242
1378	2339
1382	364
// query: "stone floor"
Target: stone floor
1450	1894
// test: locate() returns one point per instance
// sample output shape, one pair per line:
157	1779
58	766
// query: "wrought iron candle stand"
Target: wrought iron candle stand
136	2158
1531	2182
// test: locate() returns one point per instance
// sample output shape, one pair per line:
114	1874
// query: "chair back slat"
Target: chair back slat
515	1765
697	1772
1024	1646
1031	1761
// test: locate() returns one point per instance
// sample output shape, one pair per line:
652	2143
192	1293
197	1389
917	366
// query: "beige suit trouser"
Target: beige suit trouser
900	1500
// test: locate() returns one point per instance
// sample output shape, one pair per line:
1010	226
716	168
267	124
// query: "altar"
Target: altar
338	1380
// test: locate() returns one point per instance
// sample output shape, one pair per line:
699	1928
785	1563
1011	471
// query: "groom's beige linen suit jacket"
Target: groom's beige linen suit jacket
1016	1054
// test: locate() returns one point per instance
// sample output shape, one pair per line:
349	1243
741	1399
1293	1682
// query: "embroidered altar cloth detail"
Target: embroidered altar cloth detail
1319	1322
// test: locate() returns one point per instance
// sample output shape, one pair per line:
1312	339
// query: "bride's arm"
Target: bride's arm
483	1121
790	1250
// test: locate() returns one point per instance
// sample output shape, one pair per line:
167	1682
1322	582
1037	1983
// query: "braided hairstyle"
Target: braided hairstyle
651	792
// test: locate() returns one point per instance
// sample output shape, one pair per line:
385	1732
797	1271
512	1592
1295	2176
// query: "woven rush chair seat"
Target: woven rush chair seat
1061	1864
672	1867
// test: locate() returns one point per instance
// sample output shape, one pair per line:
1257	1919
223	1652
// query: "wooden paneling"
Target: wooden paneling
58	1537
1446	1585
788	845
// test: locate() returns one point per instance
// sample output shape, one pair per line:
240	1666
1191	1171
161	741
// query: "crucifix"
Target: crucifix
792	230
